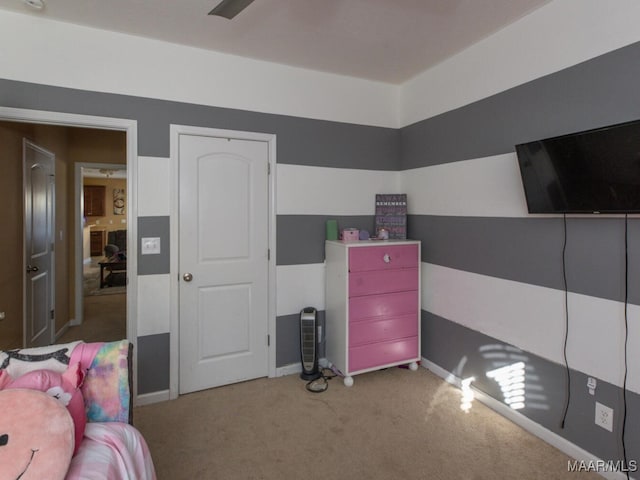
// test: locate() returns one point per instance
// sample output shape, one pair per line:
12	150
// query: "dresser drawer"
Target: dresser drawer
386	305
380	330
384	353
384	257
370	283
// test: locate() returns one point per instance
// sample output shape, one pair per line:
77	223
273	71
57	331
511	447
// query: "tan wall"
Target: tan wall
11	236
70	145
97	146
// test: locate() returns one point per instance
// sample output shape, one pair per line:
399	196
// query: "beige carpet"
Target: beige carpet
105	320
392	424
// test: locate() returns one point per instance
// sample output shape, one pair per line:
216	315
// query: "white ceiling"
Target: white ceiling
383	40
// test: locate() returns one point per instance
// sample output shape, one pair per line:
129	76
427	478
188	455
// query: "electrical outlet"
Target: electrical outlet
604	416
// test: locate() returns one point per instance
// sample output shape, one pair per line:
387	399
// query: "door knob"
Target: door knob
187	277
31	269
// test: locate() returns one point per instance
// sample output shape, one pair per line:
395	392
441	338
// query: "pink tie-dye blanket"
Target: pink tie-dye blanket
106	391
110	451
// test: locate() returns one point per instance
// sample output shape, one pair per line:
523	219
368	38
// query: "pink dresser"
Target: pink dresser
372	305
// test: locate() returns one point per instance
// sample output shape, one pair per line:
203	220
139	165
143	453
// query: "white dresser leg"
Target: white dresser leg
413	366
348	381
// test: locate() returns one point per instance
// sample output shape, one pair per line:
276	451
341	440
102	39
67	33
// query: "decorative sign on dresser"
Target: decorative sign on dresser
391	214
372	305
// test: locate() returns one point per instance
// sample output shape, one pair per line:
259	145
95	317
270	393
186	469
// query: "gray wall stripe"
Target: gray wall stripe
153	363
529	250
155	263
599	92
468	353
300	238
300	141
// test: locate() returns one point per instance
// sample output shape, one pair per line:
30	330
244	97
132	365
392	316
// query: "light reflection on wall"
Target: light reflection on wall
512	383
467	394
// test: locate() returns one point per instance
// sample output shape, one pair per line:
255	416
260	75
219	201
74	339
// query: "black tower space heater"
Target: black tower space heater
309	343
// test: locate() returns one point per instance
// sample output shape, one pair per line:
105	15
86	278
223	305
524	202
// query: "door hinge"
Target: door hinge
268	254
268	340
52	314
268	169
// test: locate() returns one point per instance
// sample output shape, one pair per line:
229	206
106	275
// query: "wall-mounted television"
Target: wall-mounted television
595	171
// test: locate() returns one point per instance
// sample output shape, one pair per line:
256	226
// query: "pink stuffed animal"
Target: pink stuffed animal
36	436
65	388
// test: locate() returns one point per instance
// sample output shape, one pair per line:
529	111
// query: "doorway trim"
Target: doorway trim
174	347
78	232
130	127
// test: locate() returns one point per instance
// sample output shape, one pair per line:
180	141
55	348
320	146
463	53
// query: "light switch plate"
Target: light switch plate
150	246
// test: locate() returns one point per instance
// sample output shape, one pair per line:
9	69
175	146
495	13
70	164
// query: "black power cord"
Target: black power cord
626	340
320	384
566	321
626	333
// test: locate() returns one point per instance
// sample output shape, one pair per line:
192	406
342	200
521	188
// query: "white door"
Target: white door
223	260
39	189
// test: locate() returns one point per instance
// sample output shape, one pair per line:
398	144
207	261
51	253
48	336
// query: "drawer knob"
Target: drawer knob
386	258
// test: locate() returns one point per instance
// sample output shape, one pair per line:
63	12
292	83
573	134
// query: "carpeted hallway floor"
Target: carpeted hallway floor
392	424
105	320
105	310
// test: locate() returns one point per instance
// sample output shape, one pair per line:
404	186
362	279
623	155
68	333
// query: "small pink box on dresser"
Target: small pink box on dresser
350	235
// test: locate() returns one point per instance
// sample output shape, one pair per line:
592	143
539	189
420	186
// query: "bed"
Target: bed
104	442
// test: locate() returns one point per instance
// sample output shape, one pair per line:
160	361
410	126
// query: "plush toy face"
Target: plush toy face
63	387
36	436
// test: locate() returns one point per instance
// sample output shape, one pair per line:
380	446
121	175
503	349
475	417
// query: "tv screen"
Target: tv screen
596	171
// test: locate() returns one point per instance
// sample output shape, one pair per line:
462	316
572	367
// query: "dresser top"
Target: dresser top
371	243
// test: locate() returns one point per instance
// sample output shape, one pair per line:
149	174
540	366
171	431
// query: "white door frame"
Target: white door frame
176	131
130	127
78	231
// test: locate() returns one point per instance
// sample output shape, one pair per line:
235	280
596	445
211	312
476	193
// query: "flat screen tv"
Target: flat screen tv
595	171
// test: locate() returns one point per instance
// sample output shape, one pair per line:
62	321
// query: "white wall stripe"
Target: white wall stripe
153	186
532	318
556	36
98	60
304	190
299	286
484	187
153	304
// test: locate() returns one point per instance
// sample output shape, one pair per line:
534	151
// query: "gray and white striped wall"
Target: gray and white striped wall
493	289
492	278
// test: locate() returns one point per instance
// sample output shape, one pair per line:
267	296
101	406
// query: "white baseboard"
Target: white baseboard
290	369
562	444
149	398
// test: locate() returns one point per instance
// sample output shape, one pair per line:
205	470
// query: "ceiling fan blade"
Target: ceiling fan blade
230	8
